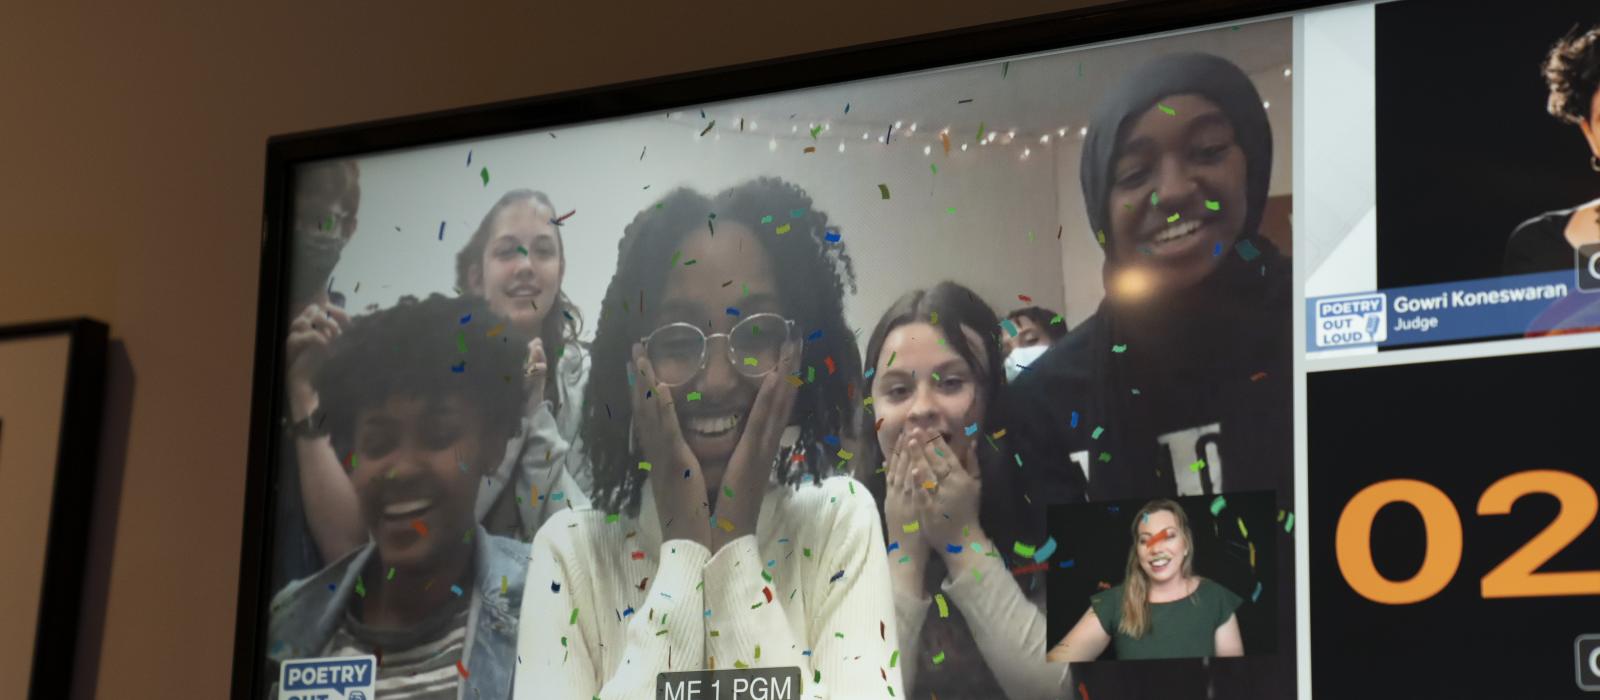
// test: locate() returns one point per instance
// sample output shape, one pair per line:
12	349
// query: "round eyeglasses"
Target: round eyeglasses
678	351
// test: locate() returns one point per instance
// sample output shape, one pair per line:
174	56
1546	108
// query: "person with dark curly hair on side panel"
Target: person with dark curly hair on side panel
726	532
1549	241
424	416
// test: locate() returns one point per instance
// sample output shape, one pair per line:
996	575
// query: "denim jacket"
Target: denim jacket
306	613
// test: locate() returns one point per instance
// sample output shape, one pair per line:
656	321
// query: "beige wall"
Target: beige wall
132	138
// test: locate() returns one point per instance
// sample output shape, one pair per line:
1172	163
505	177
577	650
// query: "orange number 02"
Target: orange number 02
1516	577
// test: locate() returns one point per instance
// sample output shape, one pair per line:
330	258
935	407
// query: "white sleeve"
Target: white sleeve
850	634
910	612
559	650
1009	630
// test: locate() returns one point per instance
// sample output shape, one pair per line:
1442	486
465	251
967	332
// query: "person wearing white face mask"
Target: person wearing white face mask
1029	332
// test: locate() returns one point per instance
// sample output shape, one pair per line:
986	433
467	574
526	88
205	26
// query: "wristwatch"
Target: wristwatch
314	425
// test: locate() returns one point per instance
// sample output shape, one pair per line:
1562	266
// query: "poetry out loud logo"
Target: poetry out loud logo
338	678
1356	319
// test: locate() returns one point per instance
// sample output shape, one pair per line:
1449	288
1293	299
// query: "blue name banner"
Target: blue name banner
336	678
1534	304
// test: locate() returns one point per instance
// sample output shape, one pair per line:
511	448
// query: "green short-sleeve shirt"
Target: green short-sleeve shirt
1183	628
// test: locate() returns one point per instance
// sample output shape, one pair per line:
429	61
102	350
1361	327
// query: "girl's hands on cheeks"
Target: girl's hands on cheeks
751	465
679	500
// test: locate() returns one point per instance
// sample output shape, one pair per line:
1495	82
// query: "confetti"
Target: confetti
1174	218
693	396
1288	525
1074	419
725	524
982	129
1256	595
1216	250
420	527
912	526
751	361
937	658
1247	250
1045	550
1197	465
953	548
894	658
1167	110
459	367
1217	504
456	590
1213	205
831	236
441	230
945	138
707	130
815	130
1098	431
944	607
972	429
1068	563
1158	539
485	174
1119	348
563	218
1010	328
462	669
645	466
883	190
1242	531
555	587
810	149
836	576
892	355
892	546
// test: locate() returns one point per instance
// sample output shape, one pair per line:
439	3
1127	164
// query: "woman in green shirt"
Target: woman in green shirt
1161	610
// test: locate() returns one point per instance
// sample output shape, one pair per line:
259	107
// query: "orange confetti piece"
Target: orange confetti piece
1025	298
946	139
1083	690
829	362
811	149
637	556
878	426
420	527
1158	539
1258	376
462	669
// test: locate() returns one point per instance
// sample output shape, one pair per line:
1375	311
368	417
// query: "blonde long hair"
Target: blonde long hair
1136	584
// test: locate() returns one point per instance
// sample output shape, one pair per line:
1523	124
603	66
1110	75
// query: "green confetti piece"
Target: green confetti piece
645	466
935	167
1213	205
740	664
811	374
806	551
839	635
574	619
1198	465
1105	456
485	174
950	210
785	228
766	219
1101	237
390	577
694	396
522	250
675	256
912	526
905	559
461	341
816	676
1154	198
1174	218
894	658
727	491
751	361
1167	110
744	288
883	190
612	517
1098	431
982	129
1217	504
815	130
892	355
1022	550
1242	530
758	651
361	587
938	658
1288	525
845	454
944	607
1119	348
1057	319
766	576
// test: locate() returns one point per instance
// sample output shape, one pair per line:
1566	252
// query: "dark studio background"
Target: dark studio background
1459	426
1465	148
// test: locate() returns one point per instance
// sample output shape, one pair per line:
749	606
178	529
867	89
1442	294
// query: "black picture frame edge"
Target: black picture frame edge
1054	31
77	455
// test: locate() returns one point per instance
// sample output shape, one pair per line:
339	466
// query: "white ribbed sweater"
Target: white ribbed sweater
692	609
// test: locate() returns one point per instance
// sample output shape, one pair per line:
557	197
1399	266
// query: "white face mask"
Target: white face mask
1020	358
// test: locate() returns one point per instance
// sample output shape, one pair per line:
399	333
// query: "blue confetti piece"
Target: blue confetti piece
815	335
832	440
1257	594
469	157
456	590
628	612
1045	550
568	314
1216	250
1010	328
840	574
831	236
972	429
733	311
1068	563
869	373
459	367
894	545
466	319
772	563
555	587
953	548
1247	250
1074	419
332	586
441	230
806	652
686	473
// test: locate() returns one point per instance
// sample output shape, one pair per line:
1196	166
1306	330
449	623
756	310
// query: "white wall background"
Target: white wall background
1002	190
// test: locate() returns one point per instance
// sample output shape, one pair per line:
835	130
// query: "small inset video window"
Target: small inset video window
1165	578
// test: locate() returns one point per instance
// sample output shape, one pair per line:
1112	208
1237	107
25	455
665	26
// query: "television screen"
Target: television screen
1065	359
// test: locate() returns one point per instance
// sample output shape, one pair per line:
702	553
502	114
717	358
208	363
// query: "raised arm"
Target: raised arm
559	648
333	512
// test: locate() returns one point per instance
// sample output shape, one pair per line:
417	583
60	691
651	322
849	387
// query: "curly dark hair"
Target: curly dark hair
413	349
1041	317
558	329
999	512
812	276
1572	70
